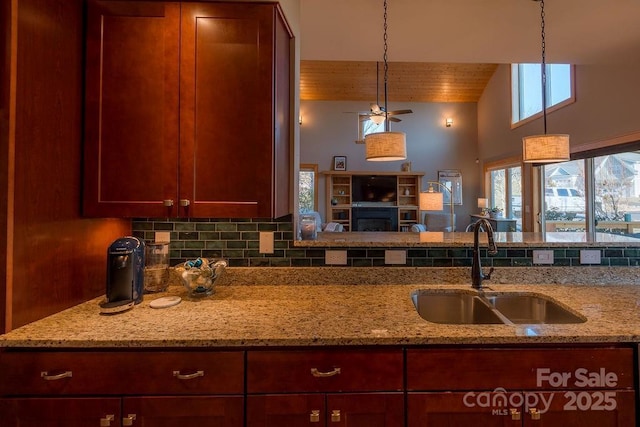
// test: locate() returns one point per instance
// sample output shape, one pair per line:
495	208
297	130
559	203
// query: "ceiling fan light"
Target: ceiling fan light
385	146
548	148
377	119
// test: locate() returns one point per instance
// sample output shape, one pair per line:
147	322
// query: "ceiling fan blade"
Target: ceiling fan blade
394	119
396	112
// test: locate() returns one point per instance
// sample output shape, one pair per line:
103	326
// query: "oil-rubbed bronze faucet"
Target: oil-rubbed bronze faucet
476	268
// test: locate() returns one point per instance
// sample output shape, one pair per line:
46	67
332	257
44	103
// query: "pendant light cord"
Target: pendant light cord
386	69
543	69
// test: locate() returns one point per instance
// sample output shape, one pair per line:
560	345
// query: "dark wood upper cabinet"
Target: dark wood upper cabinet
187	110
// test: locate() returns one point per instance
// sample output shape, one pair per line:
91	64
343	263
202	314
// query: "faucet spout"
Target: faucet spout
476	268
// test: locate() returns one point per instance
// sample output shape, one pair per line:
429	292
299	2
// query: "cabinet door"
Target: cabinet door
227	110
131	108
292	410
193	411
458	410
60	412
604	408
365	410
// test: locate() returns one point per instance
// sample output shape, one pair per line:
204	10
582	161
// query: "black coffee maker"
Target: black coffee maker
125	274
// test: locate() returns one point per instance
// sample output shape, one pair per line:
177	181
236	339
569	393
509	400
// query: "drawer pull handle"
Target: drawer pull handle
128	421
319	374
65	374
180	376
335	416
535	414
314	417
106	421
515	414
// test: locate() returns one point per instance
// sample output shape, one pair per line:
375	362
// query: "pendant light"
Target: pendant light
546	148
385	146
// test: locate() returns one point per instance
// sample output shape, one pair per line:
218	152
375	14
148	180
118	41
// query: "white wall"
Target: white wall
606	107
328	131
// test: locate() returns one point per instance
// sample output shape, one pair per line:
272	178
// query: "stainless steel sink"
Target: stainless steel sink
453	307
532	309
470	307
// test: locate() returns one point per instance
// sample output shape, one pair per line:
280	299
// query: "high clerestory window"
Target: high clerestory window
526	90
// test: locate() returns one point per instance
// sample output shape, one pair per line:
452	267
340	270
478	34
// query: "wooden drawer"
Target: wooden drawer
543	369
121	373
324	371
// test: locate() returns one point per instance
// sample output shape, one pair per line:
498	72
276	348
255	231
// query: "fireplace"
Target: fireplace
374	219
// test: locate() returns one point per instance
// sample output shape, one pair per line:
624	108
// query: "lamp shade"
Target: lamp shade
431	201
386	146
483	202
548	148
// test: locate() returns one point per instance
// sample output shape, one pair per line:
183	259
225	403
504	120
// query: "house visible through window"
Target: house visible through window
526	89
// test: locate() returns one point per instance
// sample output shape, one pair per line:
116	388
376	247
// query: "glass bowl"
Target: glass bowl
200	280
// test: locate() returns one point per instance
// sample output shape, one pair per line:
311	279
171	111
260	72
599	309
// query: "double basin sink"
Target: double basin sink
473	307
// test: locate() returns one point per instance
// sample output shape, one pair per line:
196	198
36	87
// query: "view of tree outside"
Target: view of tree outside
306	191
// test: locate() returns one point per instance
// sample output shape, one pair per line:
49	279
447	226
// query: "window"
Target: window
308	188
615	199
505	190
526	89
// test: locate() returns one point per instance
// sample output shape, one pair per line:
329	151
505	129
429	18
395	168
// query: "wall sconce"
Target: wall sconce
300	119
448	122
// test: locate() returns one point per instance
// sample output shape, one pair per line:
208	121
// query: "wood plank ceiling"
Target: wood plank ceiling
407	81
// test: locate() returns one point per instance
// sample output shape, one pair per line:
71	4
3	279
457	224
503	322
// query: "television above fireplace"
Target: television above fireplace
374	189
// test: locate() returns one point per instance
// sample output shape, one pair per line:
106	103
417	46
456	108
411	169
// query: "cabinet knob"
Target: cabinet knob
515	414
181	376
185	202
167	203
314	416
106	421
45	375
318	374
335	416
535	414
128	420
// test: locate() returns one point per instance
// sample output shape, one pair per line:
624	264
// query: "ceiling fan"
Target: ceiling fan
377	113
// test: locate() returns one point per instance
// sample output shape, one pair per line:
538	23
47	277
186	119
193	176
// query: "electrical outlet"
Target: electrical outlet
589	256
542	257
163	236
266	242
335	257
395	257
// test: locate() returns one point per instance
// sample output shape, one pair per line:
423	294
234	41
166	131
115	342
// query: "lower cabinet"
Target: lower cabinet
121	388
347	410
328	387
192	411
341	388
580	387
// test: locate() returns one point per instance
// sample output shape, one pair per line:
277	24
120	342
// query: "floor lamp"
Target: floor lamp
432	200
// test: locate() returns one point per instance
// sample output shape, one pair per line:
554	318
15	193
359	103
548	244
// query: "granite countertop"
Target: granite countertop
344	307
465	239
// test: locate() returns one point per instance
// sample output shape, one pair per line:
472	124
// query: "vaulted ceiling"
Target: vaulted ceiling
446	50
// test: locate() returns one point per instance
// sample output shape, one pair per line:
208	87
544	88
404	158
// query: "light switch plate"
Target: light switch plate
589	256
395	257
266	242
335	257
542	257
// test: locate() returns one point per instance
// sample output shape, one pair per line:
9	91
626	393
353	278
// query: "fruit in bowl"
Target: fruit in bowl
199	276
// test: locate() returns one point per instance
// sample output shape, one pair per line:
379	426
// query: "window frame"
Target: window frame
551	108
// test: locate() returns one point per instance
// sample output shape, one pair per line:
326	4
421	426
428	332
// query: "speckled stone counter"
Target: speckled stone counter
428	239
344	307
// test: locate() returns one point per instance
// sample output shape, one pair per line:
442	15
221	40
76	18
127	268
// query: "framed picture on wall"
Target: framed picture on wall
452	179
339	163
